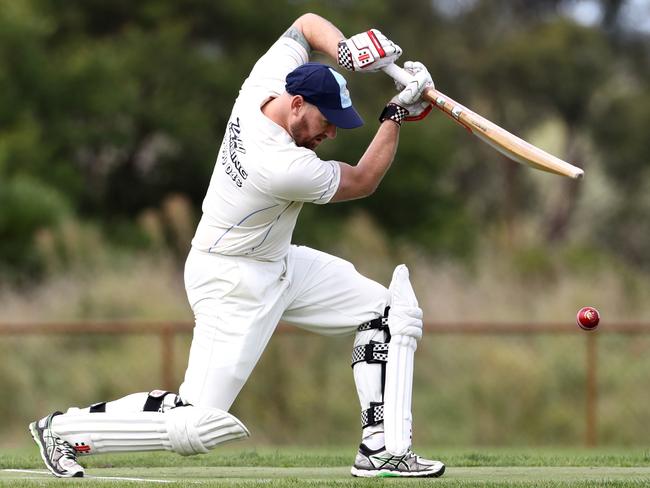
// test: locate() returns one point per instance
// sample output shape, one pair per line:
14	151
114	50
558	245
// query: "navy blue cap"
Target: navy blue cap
323	87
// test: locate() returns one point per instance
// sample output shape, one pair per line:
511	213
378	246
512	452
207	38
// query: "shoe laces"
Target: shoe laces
64	448
410	455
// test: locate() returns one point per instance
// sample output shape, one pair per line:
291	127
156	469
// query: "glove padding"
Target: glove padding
367	51
410	96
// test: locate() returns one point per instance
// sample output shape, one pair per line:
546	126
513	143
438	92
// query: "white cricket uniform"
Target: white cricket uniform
243	275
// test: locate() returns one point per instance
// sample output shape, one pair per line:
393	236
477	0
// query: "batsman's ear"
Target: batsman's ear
296	103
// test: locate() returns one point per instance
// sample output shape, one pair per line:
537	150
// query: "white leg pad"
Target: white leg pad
185	430
405	325
95	433
398	393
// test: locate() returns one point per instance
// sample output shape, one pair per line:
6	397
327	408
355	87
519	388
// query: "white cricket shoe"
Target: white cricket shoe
59	456
381	464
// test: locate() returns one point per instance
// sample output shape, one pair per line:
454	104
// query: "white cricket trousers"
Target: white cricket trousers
238	302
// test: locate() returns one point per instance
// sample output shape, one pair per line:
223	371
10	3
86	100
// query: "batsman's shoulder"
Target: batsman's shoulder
295	33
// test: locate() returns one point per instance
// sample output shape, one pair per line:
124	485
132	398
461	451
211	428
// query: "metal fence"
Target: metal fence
166	332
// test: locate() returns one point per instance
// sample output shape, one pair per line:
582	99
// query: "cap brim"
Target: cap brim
344	118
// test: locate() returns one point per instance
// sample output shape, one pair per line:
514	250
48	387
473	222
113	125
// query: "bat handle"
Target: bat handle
404	77
398	74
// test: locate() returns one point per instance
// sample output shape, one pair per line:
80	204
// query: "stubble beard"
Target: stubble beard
298	131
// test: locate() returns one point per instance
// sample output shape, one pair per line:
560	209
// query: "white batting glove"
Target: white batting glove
410	96
408	103
367	51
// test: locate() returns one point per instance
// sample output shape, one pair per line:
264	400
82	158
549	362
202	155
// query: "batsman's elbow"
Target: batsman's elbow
369	189
354	184
366	186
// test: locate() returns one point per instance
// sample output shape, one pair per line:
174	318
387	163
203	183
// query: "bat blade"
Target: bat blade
500	139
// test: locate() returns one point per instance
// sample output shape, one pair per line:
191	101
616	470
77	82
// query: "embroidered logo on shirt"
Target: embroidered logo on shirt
230	159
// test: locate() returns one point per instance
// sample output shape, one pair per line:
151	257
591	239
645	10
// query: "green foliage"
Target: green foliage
117	105
555	65
28	207
416	201
620	129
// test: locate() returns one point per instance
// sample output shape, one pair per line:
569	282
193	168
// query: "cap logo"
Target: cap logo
344	94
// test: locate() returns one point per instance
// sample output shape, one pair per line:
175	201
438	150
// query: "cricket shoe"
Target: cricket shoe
59	456
382	464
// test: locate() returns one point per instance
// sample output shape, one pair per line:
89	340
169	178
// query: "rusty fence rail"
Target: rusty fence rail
167	331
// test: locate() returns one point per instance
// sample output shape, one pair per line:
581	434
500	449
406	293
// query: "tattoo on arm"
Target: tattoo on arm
296	35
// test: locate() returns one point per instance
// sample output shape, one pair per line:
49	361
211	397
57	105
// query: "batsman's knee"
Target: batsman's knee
196	430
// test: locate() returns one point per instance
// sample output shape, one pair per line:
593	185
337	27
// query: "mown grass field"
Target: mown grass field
292	466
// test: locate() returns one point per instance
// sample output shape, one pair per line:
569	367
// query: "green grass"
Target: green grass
243	466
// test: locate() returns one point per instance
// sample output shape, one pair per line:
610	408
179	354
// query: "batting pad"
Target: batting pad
186	430
405	324
398	394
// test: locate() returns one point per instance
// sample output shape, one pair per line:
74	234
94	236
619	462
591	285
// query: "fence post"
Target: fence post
591	438
167	357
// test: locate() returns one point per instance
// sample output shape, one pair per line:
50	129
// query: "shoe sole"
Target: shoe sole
40	442
387	473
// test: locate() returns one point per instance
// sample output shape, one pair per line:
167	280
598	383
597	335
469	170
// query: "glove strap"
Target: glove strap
393	112
345	56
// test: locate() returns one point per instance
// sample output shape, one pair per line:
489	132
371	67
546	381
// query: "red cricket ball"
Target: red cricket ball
588	318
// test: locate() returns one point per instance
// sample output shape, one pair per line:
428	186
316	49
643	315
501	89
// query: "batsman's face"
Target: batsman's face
308	127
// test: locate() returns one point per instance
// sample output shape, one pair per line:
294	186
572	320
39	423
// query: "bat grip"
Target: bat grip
404	77
398	74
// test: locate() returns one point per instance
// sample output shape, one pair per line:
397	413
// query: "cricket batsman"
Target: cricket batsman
243	275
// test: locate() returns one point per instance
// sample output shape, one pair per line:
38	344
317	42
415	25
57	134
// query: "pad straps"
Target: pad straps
156	398
378	323
373	415
97	408
375	352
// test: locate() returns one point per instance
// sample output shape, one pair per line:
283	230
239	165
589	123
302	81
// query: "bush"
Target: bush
28	205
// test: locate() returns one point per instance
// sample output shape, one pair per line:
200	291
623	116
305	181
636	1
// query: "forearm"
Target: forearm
380	154
363	179
320	33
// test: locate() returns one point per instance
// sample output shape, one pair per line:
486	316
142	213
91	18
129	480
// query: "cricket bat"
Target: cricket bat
500	139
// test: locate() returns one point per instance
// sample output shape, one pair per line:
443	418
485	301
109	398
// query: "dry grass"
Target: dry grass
502	283
131	287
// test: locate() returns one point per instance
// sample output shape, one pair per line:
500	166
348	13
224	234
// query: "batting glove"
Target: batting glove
408	104
368	51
